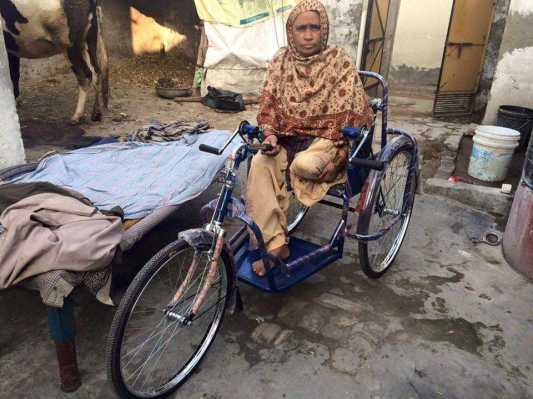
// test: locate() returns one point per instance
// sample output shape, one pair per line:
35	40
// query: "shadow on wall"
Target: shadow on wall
137	27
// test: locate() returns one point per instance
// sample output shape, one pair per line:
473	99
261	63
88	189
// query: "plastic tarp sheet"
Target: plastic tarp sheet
236	58
138	177
242	12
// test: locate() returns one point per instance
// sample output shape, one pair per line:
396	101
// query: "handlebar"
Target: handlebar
368	163
209	149
253	131
245	128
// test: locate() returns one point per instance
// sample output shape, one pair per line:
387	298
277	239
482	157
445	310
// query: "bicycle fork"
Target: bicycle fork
212	271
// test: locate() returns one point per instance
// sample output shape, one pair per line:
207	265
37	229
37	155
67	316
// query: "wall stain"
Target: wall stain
518	32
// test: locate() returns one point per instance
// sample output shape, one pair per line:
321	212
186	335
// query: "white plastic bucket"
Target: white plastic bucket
492	152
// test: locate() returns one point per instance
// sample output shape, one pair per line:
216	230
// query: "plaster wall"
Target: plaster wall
11	148
419	41
513	80
345	23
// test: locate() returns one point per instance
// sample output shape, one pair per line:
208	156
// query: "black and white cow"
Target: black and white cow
43	28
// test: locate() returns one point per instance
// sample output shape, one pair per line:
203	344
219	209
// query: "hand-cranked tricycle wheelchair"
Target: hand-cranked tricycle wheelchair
172	310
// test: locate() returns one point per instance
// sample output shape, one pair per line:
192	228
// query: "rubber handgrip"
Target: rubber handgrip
368	163
266	147
209	149
249	129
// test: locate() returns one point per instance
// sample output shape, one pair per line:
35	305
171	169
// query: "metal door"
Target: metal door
463	58
376	26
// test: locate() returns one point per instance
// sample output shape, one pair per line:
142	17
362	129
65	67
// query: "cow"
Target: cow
43	28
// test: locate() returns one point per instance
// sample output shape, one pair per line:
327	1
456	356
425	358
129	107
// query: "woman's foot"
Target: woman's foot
258	266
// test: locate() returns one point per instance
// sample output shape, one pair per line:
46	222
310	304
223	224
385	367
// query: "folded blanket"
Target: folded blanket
50	231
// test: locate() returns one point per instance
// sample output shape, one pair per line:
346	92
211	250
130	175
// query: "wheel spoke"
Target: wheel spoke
388	207
158	350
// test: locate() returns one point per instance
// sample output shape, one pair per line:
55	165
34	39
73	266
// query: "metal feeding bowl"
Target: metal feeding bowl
172	92
167	88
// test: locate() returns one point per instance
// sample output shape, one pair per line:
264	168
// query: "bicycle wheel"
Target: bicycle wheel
390	195
295	215
150	350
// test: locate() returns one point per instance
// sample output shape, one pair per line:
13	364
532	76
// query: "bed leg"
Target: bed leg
63	331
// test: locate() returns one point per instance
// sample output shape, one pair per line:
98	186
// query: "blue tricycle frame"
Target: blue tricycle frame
227	261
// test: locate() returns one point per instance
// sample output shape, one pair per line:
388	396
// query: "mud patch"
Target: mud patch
458	332
46	133
496	344
439	304
431	284
437	281
457	227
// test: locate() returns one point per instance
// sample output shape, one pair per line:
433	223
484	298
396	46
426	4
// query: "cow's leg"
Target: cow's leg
99	61
104	67
95	84
84	75
14	71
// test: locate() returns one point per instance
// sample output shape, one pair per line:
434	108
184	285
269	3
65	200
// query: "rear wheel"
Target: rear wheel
151	350
390	197
296	214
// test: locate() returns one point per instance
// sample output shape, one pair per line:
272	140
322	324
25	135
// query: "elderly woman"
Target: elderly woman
312	90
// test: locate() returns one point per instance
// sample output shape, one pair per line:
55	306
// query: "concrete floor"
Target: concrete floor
450	320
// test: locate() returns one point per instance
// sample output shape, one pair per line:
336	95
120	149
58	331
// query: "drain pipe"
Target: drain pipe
518	236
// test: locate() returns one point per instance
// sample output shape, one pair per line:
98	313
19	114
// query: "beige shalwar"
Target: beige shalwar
267	197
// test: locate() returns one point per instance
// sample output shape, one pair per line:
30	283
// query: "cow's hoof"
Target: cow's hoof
77	121
96	117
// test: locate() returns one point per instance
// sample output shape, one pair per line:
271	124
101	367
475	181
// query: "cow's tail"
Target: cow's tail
101	52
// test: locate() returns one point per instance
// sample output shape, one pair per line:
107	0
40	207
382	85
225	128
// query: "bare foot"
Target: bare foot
258	266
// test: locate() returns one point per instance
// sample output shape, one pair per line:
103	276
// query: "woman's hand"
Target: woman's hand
273	141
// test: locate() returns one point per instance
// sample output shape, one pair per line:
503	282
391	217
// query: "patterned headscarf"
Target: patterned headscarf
315	95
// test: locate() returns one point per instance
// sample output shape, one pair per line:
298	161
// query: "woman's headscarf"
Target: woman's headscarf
316	95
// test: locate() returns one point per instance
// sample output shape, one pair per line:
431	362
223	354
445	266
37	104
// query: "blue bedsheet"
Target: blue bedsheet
138	177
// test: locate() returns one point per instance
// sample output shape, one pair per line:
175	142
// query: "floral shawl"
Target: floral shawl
316	95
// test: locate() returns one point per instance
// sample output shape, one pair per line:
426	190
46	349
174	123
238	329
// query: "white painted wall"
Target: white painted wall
513	81
421	33
11	148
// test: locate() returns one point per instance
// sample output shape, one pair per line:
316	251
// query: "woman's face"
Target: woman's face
306	33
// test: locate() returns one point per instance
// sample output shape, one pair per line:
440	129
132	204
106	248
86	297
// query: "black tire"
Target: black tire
155	283
390	193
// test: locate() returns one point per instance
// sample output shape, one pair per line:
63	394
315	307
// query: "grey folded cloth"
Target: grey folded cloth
161	132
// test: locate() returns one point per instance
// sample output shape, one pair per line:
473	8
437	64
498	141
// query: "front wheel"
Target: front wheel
389	198
152	349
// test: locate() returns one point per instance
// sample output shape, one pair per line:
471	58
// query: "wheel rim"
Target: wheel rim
157	352
295	215
390	203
